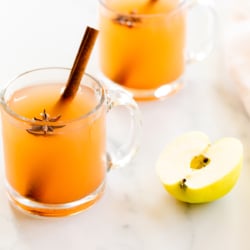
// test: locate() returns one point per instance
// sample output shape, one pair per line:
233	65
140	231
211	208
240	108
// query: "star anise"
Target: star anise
44	129
127	20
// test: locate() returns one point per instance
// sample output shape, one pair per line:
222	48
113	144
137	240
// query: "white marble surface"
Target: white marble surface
135	213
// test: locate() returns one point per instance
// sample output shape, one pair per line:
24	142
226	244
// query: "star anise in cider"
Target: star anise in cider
44	129
128	20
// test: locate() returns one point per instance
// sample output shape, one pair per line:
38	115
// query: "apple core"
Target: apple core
199	161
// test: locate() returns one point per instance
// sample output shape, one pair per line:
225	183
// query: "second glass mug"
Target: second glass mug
143	44
56	159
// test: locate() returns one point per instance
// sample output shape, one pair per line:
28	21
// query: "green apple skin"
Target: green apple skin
207	193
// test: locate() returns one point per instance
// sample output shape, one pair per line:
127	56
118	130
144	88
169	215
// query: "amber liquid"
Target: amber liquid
59	168
147	53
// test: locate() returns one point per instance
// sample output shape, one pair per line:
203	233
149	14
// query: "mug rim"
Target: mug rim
22	118
181	5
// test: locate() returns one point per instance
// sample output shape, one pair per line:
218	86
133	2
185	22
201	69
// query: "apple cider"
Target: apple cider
63	161
142	42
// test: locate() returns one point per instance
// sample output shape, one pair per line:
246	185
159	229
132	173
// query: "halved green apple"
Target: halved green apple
195	171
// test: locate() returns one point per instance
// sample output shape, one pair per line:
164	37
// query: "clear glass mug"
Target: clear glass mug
56	157
143	43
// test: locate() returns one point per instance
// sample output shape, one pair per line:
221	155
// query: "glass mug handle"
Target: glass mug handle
120	155
205	46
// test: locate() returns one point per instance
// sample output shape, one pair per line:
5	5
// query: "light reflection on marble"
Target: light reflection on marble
135	212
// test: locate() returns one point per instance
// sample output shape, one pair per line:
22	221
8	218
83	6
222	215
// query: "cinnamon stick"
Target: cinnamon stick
80	63
150	3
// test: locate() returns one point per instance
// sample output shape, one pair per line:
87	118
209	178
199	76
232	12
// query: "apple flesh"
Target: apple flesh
195	171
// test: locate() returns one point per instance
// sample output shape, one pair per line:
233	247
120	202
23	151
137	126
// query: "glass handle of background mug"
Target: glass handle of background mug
206	26
120	154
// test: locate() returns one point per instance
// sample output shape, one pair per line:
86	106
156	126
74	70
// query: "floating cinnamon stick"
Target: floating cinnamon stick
152	1
80	63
